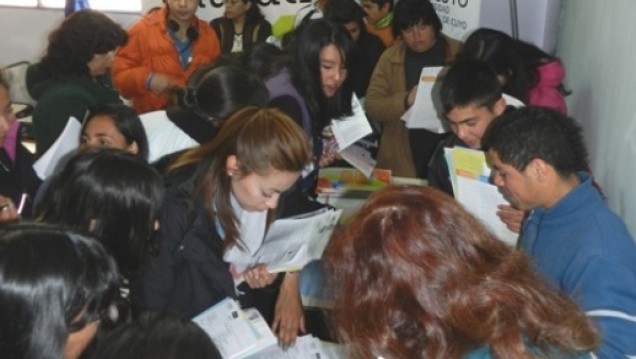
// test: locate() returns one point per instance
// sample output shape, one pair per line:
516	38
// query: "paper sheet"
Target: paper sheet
164	137
349	130
423	113
66	142
244	334
470	176
291	243
235	333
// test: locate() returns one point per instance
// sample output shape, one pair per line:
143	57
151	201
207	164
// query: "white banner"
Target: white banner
280	13
459	17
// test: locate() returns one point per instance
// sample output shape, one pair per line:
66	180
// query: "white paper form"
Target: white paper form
349	130
164	137
472	188
360	158
481	200
348	133
66	142
423	114
235	333
305	347
291	243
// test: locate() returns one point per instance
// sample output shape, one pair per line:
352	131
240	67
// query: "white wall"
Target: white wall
597	44
25	31
537	20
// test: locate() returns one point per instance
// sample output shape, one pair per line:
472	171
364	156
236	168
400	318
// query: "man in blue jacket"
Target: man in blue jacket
576	241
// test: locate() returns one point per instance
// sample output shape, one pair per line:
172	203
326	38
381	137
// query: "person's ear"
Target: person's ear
539	169
249	4
133	148
499	107
232	165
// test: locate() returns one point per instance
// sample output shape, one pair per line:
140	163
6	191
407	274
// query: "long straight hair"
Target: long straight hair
52	282
307	42
112	194
439	285
514	60
262	140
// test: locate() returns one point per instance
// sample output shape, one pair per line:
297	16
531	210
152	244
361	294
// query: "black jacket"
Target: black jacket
189	274
438	174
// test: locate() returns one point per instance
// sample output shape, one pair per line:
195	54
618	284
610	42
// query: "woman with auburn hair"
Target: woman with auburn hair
217	214
439	285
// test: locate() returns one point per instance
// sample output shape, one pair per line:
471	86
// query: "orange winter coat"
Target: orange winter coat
151	50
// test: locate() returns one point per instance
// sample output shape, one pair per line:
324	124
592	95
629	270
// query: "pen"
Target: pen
23	200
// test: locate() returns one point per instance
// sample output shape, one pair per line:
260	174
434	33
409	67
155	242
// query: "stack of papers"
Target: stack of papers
244	334
470	176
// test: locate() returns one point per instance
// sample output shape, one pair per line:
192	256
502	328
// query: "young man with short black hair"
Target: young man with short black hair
471	98
575	240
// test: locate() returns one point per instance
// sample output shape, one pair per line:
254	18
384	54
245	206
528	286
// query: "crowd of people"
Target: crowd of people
195	137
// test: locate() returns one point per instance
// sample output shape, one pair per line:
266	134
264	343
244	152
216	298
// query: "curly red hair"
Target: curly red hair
417	276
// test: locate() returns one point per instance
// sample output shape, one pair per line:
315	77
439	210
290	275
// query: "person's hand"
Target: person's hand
327	159
8	212
288	315
258	276
329	149
160	84
511	217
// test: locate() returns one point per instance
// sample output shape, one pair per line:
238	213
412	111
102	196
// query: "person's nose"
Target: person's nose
6	121
462	133
497	179
272	202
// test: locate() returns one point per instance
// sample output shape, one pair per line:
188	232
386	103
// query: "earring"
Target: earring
230	173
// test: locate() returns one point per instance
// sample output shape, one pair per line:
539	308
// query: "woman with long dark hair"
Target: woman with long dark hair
524	70
55	286
416	276
116	197
313	86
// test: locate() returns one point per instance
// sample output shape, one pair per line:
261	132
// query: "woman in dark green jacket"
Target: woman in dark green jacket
74	73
